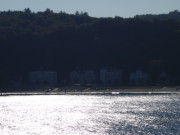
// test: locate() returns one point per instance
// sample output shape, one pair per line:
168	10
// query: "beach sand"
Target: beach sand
89	91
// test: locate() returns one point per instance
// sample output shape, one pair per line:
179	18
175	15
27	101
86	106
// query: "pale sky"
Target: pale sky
96	8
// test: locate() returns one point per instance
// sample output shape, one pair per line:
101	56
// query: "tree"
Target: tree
77	13
85	14
27	10
48	11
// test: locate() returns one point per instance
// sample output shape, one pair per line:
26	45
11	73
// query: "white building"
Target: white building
138	78
111	76
43	78
83	77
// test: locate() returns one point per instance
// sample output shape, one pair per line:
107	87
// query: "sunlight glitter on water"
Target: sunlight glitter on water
111	115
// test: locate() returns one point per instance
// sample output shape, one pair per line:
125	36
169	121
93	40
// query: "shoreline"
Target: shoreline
95	92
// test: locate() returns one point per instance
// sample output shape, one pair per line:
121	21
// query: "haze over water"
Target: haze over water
107	115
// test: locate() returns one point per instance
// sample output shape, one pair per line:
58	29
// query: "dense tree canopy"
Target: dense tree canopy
63	42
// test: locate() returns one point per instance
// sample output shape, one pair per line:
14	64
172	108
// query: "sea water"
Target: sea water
90	115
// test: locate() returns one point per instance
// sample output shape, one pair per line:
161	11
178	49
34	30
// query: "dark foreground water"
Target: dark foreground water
90	115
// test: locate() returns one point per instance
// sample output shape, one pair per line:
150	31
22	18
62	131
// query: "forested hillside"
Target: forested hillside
63	42
172	15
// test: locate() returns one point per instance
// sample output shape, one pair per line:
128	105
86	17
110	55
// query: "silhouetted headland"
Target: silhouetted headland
79	49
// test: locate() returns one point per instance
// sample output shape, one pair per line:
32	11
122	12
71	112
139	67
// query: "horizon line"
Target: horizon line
61	11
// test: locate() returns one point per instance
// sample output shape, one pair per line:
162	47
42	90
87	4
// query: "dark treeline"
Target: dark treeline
172	15
63	42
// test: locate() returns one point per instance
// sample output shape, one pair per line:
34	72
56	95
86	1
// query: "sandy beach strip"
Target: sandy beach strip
96	92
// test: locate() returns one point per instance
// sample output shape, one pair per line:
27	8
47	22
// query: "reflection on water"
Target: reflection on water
107	115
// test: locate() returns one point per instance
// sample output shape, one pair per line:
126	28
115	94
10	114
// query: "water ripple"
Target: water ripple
90	115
